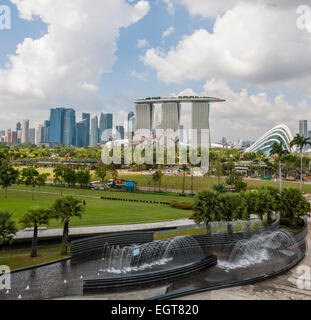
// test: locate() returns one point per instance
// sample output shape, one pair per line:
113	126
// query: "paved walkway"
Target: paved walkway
89	231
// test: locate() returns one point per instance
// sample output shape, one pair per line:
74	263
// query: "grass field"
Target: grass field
199	183
98	212
21	258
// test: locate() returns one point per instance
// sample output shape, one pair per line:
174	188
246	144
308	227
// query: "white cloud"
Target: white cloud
142	43
170	6
139	75
64	66
248	116
168	32
212	8
252	42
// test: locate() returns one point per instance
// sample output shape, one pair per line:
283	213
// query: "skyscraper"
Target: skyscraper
25	131
62	126
56	125
120	131
32	135
303	128
46	131
131	122
94	132
18	126
87	117
39	134
105	128
82	133
69	130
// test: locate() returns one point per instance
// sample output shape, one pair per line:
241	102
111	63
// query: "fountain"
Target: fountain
179	250
260	248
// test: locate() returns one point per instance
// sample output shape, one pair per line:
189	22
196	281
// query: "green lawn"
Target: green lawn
21	258
98	212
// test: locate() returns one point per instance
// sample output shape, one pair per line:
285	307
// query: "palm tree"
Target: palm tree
34	218
65	209
279	150
300	141
8	227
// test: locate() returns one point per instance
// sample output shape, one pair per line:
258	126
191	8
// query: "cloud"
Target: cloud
139	75
248	116
170	6
64	67
168	32
142	43
252	43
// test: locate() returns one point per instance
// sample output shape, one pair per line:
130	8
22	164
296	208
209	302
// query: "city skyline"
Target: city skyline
147	56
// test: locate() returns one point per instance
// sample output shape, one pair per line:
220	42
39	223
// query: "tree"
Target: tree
8	227
300	141
34	218
59	176
29	177
236	179
101	171
293	205
41	180
65	209
268	202
231	207
8	176
83	177
279	150
70	176
204	208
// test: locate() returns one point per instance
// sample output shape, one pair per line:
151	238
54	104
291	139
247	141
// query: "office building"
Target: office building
82	133
32	135
25	131
120	132
39	134
87	117
69	129
105	127
18	126
56	126
94	132
46	132
303	128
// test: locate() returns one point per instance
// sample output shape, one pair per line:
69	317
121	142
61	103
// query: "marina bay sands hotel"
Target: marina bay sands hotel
176	113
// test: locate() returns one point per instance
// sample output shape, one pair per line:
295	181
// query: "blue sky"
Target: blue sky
118	88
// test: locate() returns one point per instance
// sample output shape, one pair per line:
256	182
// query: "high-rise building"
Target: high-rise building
105	127
46	131
62	126
94	132
12	136
82	133
87	117
32	135
18	126
56	125
19	136
303	128
69	130
39	134
25	131
120	130
2	133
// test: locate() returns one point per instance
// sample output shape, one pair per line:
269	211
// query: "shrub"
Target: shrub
293	205
181	205
204	207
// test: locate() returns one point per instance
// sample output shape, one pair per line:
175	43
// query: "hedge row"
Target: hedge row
181	205
133	200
